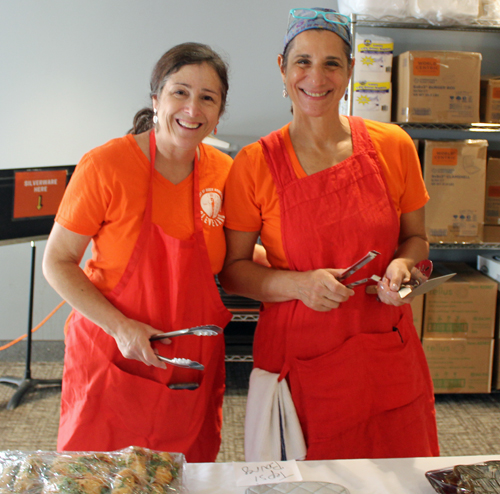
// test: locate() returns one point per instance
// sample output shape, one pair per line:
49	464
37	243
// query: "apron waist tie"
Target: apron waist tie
284	371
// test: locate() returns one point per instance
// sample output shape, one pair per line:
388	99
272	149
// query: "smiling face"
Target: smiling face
188	106
317	72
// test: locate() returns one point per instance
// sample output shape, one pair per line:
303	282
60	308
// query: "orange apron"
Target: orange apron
110	402
357	374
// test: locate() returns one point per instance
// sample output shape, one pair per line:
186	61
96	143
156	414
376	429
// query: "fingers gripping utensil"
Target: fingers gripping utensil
205	330
420	273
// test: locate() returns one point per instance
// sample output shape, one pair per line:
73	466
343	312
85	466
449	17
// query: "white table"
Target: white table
388	476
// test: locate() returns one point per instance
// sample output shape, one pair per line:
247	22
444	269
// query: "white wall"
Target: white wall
74	72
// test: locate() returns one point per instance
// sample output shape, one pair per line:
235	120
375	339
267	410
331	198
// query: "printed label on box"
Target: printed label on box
368	46
373	87
426	67
445	156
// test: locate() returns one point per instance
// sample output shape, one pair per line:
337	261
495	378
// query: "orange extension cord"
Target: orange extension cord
37	327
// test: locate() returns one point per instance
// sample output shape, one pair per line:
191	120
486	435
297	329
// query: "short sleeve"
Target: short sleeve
242	211
415	194
83	207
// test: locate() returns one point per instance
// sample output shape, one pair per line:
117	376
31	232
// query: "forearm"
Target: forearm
253	280
73	285
412	251
317	289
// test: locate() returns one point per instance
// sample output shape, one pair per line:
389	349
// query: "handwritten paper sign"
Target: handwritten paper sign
268	472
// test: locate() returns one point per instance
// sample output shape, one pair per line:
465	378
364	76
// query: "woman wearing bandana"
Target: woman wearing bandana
321	192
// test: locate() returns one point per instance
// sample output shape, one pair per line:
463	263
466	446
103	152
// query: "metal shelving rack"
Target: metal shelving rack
390	22
476	25
443	251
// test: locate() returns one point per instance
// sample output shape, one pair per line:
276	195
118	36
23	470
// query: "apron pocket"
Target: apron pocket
141	408
365	376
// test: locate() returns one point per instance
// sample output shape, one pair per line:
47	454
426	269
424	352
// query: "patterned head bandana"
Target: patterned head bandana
318	18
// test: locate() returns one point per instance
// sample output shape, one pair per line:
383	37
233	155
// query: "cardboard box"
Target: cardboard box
460	365
490	99
491	234
463	307
372	100
492	200
417	308
455	177
430	86
373	55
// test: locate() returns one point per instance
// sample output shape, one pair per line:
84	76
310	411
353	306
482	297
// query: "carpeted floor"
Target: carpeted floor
467	424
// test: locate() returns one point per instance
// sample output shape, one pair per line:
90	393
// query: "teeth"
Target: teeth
315	95
188	125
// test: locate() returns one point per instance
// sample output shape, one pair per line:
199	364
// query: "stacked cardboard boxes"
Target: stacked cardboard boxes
489	264
372	93
458	330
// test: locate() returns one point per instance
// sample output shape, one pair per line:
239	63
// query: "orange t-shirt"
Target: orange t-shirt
252	203
106	198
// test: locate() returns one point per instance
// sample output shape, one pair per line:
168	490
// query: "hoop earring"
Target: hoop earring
155	117
215	131
285	93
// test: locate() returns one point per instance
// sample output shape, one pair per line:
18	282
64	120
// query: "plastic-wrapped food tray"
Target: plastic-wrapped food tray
479	478
131	470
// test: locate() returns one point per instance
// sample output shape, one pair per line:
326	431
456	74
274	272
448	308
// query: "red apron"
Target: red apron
358	374
110	402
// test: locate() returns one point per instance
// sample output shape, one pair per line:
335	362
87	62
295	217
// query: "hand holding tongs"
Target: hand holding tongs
358	265
206	330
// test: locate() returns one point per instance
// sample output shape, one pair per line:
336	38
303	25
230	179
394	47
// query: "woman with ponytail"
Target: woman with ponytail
151	204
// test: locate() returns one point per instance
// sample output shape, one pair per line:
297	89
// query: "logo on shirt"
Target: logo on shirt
211	205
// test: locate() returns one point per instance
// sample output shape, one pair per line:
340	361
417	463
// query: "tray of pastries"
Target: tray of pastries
479	478
132	470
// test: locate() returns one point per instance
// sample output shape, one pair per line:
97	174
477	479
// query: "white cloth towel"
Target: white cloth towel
267	399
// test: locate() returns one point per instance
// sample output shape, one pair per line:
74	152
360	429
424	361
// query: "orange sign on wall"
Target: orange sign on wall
38	193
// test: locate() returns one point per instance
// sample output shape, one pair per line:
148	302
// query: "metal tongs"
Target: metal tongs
206	330
358	265
182	362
